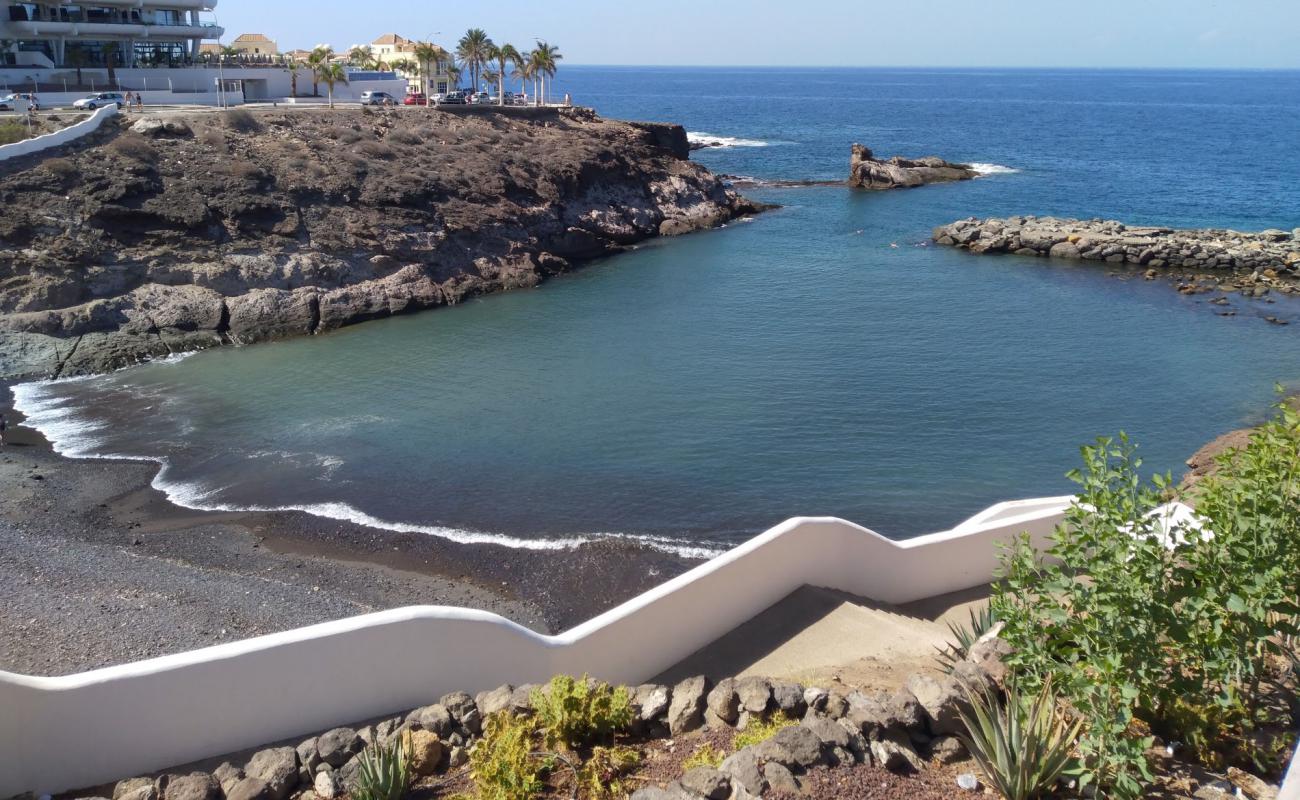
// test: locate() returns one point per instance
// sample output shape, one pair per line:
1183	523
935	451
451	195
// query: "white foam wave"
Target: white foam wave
713	140
73	437
992	169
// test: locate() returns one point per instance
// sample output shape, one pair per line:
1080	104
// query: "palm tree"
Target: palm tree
426	55
523	71
320	56
548	58
293	65
537	71
363	56
75	56
474	51
453	75
329	74
506	56
109	51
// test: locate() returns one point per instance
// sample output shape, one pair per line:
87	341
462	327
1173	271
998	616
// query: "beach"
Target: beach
97	568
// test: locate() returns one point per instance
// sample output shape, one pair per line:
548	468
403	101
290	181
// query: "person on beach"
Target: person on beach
3	427
127	98
139	103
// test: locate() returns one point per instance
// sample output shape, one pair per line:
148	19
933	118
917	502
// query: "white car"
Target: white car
99	100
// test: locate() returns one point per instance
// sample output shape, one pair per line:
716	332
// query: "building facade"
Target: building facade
123	33
391	49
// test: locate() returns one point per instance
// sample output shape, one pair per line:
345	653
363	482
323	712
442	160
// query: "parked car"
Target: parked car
454	98
99	100
415	99
437	97
19	101
481	99
371	98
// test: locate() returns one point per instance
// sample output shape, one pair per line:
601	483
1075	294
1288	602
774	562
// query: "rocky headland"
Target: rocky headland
1253	265
197	230
868	172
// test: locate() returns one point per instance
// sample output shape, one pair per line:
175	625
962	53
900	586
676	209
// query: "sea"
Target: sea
824	358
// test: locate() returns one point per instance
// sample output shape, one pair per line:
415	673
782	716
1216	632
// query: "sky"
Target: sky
948	33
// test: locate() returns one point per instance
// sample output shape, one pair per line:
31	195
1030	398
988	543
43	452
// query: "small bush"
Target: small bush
350	136
576	712
377	150
241	121
503	763
759	730
600	777
135	147
1021	744
385	771
11	132
213	138
62	168
706	755
406	137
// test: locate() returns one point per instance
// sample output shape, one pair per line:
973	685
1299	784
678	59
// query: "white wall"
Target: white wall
60	137
81	730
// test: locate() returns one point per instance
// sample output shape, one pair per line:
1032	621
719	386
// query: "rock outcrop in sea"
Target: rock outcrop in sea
235	228
868	172
1116	243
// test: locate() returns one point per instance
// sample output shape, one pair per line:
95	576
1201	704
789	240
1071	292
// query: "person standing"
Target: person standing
127	98
139	103
4	425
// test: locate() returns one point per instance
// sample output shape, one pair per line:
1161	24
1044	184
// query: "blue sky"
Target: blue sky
1030	33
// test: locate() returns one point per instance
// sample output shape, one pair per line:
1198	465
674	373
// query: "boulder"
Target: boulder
493	701
652	701
686	710
434	718
781	779
755	694
815	698
457	757
837	705
134	789
227	775
308	756
195	786
521	699
830	732
789	698
947	750
743	768
338	745
328	785
463	710
942	700
707	782
904	712
250	789
796	747
722	704
895	753
990	654
868	172
426	752
278	766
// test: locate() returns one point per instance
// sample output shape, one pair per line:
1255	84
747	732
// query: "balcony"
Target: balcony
136	30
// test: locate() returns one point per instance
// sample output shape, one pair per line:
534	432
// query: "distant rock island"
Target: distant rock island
211	229
868	172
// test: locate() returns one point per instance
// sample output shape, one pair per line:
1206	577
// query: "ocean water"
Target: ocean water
823	358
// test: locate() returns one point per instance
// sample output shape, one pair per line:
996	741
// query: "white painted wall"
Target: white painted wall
80	730
59	137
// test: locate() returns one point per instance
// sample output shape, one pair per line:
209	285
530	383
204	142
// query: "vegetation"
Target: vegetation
600	777
331	74
1021	743
241	121
706	755
474	51
320	57
760	729
504	764
577	712
12	131
385	771
965	637
1181	631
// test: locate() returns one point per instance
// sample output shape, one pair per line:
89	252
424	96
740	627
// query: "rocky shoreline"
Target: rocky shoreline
1253	265
210	229
868	172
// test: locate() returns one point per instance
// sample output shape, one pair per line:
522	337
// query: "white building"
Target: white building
62	33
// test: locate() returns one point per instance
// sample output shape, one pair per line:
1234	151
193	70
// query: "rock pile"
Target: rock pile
868	172
896	730
1270	253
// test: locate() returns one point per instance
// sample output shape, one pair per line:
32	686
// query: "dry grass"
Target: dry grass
135	147
241	121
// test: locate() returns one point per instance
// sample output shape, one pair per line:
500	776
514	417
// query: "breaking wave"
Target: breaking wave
713	140
992	169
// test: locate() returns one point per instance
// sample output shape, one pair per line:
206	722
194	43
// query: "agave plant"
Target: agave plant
385	771
1022	744
965	637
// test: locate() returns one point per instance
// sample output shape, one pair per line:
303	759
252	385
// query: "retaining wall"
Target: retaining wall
59	137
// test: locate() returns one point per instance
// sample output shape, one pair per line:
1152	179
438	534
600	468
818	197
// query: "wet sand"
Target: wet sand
97	568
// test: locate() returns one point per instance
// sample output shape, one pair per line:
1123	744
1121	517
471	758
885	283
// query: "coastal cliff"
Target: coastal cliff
208	229
868	172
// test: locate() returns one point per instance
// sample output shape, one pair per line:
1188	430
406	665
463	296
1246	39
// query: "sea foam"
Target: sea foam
992	169
713	140
72	436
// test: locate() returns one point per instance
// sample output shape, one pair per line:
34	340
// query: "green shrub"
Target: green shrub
1022	744
600	777
965	637
760	729
503	763
706	755
11	131
385	771
1137	635
576	712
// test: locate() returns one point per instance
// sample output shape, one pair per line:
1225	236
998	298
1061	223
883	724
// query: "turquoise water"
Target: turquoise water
819	359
